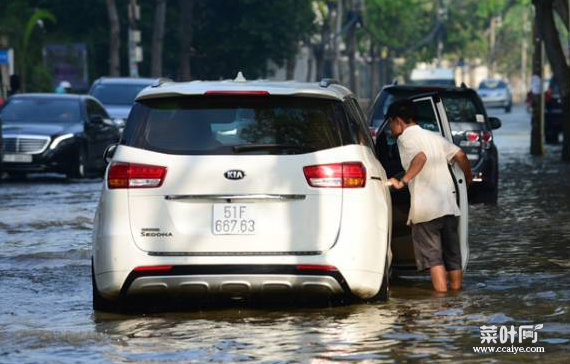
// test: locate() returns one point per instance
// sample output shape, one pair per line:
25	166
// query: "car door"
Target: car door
432	117
99	134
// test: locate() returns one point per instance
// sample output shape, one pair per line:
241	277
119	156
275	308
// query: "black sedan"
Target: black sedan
55	133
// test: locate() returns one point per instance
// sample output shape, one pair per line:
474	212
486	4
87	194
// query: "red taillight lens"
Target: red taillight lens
336	175
472	136
328	268
548	95
130	175
373	132
486	136
153	268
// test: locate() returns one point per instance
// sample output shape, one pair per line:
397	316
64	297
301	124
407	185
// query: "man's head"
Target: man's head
401	114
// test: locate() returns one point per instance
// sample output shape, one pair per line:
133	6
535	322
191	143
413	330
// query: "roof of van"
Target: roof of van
284	88
431	74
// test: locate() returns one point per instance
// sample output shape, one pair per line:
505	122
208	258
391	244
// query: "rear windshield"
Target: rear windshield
198	125
460	107
117	94
492	85
41	110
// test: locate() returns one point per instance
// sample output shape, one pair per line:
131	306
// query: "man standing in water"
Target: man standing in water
434	213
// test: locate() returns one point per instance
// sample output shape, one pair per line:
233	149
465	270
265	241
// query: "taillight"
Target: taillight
472	136
373	131
153	268
548	95
131	175
336	175
486	137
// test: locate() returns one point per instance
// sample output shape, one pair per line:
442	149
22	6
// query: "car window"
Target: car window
117	94
41	110
220	124
426	117
360	133
492	85
460	106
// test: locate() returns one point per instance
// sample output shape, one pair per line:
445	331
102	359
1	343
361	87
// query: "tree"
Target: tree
114	39
185	27
551	37
158	38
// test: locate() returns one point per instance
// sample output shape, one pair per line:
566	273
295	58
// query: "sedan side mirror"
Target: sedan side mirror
97	119
109	153
495	122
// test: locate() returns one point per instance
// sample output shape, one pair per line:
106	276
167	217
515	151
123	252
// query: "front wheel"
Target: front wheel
78	168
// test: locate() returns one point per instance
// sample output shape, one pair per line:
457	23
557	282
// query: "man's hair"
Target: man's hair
405	109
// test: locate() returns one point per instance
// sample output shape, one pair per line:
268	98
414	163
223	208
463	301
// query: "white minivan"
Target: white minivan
243	189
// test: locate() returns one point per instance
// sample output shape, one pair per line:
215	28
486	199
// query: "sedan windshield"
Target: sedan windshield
41	110
117	94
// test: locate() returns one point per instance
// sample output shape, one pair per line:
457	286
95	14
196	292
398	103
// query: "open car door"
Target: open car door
431	116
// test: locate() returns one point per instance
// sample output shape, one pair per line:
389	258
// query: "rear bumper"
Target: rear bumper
236	281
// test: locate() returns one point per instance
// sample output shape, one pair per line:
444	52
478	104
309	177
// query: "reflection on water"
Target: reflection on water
518	275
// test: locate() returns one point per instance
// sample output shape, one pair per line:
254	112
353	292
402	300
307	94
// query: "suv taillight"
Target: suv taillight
336	175
132	175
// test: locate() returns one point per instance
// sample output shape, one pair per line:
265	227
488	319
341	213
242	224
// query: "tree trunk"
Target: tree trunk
157	38
537	121
290	66
185	39
351	50
550	35
114	39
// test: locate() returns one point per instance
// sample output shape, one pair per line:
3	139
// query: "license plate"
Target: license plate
17	158
233	219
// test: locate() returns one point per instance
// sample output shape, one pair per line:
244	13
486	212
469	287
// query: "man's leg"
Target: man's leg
452	251
439	278
456	279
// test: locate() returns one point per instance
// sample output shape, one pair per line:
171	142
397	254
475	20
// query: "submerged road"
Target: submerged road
518	275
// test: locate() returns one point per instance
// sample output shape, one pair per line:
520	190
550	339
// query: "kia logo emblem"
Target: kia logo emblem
234	174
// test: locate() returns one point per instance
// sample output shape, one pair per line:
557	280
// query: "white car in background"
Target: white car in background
496	94
242	189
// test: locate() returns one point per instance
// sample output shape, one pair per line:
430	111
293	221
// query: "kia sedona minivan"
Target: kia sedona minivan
242	189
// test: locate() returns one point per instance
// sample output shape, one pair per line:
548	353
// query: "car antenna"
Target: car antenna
240	77
326	82
463	85
395	82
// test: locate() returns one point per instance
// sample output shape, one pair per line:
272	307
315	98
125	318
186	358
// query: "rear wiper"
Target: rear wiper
271	147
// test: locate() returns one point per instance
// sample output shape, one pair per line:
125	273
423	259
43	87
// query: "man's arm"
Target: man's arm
461	159
416	166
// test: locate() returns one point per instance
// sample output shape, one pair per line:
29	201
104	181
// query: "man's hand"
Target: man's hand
461	159
396	183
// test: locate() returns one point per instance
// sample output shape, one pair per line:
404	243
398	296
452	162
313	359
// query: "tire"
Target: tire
508	108
384	293
101	303
78	168
490	195
551	137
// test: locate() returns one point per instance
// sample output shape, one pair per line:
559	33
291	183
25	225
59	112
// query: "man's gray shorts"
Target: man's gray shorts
436	242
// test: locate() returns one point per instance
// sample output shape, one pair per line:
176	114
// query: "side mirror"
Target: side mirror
109	153
495	122
119	123
97	119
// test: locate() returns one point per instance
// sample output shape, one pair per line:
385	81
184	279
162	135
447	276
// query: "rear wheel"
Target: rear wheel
384	293
551	137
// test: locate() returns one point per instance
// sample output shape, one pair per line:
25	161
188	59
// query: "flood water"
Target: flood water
519	274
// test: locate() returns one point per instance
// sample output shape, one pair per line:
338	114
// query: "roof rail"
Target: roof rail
161	81
326	82
395	82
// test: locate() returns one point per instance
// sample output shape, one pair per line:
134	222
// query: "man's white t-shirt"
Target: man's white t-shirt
432	190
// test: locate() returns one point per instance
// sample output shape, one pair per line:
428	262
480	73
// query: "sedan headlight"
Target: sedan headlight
55	142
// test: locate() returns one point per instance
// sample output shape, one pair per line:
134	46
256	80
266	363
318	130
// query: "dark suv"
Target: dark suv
553	118
471	128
